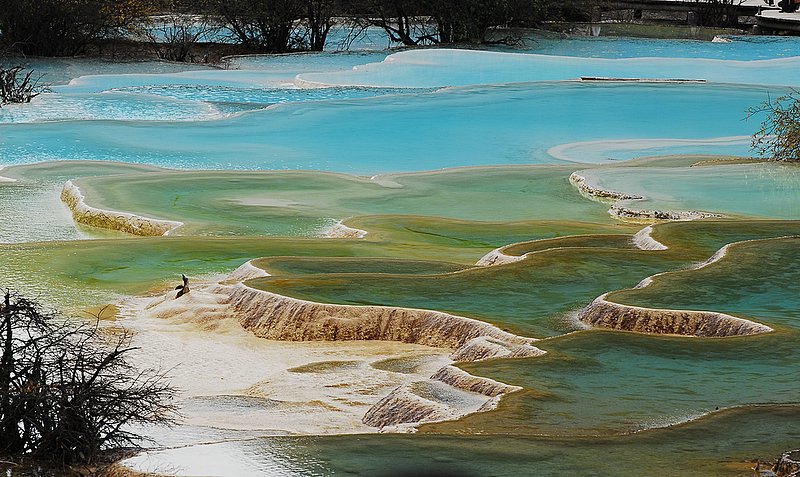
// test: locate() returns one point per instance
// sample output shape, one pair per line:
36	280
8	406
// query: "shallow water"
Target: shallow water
443	67
766	190
593	395
308	204
754	279
514	124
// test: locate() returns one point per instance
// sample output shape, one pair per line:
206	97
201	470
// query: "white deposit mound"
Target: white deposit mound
303	367
430	68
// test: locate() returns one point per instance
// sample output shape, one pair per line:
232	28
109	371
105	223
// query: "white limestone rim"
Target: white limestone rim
496	332
716	257
642	240
563	151
339	230
81	207
246	271
601	300
497	257
5	179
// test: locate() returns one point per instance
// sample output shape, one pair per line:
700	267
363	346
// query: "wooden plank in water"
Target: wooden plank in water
642	80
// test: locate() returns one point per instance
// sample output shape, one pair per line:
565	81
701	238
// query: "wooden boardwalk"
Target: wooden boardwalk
691	7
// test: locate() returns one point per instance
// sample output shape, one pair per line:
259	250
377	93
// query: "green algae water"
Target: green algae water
447	176
764	272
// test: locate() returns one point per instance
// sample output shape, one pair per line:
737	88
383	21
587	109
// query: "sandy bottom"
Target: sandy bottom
235	386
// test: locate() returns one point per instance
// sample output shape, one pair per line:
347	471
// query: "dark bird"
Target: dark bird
182	289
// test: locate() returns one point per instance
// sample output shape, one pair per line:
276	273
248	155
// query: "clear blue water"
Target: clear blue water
738	48
443	67
215	118
513	124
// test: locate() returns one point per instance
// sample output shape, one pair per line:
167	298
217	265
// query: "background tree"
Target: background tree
176	32
317	22
418	22
268	26
778	137
466	21
65	27
66	391
404	21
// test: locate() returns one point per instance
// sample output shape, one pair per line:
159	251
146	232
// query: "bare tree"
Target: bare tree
778	137
269	26
67	392
65	27
402	20
317	22
18	86
174	36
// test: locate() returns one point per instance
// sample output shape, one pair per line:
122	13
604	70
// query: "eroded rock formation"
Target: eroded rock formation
109	219
648	215
458	378
402	406
273	316
605	314
579	182
788	464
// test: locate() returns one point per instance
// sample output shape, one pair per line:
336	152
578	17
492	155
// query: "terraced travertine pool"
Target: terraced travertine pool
392	215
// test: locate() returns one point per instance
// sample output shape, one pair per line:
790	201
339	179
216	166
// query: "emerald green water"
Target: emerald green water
529	297
600	383
313	266
755	279
293	203
715	446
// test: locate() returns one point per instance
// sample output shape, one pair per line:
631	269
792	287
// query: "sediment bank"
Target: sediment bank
272	316
112	220
630	214
602	313
217	306
579	182
339	230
